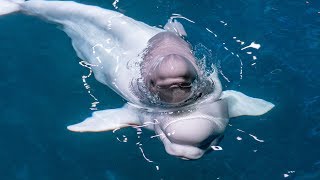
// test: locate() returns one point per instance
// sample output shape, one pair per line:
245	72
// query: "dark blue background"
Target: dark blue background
41	92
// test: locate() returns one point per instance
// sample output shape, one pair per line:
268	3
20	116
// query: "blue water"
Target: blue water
42	92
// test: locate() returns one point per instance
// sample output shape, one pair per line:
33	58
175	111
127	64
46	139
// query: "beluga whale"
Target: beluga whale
153	69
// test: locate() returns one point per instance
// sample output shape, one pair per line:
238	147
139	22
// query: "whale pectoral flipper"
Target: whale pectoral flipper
107	120
240	104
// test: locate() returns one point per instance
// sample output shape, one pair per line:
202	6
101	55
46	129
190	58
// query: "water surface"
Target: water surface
42	92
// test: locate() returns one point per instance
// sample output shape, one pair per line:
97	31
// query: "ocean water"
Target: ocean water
41	92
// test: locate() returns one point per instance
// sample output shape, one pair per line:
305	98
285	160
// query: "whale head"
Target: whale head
171	79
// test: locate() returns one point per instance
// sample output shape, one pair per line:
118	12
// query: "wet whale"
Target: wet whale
165	90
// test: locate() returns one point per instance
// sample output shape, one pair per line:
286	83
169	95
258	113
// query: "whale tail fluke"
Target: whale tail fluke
9	6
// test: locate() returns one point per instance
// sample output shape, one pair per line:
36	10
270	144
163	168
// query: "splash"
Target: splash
249	134
179	16
87	86
252	45
210	31
217	148
114	4
255	138
139	144
147	159
285	175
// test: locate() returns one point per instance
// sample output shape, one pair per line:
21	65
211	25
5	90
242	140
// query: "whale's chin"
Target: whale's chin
193	132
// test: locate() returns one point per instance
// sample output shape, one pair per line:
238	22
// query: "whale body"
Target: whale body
114	46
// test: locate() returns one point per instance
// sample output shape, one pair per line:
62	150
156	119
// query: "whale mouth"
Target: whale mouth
177	84
171	78
188	92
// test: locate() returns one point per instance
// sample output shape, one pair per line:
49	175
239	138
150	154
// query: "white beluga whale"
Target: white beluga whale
153	69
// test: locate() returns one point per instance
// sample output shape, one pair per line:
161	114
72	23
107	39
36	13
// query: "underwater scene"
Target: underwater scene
264	49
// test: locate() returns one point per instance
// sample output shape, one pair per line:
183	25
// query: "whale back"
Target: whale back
114	48
106	40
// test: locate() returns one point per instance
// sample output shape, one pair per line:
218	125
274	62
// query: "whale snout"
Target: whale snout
191	138
190	131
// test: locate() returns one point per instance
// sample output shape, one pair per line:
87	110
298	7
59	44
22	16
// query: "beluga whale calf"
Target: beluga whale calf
165	88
